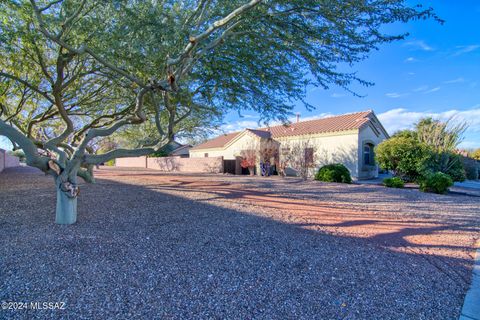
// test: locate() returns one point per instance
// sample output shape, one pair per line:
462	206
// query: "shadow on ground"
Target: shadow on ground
142	253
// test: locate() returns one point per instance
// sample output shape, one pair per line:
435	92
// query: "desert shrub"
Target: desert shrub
438	183
18	153
394	182
404	155
334	173
110	163
471	167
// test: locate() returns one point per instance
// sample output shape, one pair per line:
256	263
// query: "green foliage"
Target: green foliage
334	173
471	167
437	183
18	153
404	155
159	154
110	163
475	154
394	182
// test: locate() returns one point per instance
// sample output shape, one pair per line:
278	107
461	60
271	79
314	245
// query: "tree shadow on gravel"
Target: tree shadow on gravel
142	253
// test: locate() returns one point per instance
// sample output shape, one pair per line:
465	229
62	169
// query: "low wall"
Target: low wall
8	161
177	164
174	164
134	162
2	160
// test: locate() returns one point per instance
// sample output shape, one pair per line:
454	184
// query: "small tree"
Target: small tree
475	154
300	156
268	154
249	160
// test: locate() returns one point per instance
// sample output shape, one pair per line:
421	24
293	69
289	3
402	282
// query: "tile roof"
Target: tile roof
342	122
217	142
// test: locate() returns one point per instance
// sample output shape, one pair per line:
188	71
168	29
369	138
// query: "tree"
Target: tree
249	159
300	156
77	71
476	154
430	148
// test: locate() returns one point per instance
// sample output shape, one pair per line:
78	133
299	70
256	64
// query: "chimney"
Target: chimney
298	117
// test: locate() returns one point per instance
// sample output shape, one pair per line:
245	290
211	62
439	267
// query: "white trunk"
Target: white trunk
66	212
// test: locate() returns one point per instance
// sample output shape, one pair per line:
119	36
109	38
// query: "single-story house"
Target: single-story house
175	149
349	139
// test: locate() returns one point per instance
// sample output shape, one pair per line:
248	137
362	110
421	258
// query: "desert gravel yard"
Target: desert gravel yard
149	245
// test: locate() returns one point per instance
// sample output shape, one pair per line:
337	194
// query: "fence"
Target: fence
174	164
7	161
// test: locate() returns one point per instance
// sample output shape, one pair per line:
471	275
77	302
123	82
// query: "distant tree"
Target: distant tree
249	159
76	71
475	154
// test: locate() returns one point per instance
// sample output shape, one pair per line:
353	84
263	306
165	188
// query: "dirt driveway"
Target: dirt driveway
158	245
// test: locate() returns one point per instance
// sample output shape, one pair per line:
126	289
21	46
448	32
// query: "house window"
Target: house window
368	156
205	155
309	156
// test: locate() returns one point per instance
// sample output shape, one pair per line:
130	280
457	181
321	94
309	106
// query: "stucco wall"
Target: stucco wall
11	161
8	161
133	162
331	148
177	164
174	164
2	160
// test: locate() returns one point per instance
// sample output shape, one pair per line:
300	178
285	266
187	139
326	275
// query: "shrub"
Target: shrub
110	163
404	155
438	183
471	168
334	173
18	153
158	154
394	182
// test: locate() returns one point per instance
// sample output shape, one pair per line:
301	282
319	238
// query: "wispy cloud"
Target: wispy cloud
337	95
421	88
419	45
401	118
466	49
457	80
395	95
238	125
411	59
432	90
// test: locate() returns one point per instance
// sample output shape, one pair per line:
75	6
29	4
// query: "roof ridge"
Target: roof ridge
327	117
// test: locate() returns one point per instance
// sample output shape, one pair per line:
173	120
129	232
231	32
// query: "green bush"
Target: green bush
110	163
394	182
334	173
159	154
471	168
18	153
438	183
404	155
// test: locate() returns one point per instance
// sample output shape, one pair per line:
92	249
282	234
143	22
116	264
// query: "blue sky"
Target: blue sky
434	72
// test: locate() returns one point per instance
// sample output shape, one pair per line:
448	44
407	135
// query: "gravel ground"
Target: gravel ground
151	245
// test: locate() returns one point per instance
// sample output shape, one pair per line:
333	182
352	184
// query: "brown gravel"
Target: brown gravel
153	245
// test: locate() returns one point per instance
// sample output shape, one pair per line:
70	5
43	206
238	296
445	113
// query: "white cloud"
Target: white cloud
457	80
400	118
419	44
396	95
432	90
421	88
410	59
337	95
466	49
239	126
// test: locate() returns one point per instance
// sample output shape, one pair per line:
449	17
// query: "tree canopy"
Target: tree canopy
74	72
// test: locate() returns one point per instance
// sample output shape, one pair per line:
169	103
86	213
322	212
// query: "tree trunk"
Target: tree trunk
66	212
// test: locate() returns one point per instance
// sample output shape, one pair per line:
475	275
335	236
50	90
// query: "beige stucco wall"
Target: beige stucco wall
2	160
132	162
331	148
177	164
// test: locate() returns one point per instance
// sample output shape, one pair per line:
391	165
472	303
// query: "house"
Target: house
175	149
349	139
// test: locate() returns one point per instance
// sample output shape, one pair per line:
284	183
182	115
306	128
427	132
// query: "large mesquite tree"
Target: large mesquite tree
74	72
